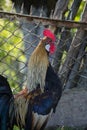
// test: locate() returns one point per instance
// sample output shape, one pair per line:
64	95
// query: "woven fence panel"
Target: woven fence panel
18	39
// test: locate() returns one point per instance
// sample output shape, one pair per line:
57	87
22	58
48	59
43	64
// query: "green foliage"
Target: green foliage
80	11
5	5
11	51
16	128
2	4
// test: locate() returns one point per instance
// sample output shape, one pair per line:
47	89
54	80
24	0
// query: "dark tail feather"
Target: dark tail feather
28	120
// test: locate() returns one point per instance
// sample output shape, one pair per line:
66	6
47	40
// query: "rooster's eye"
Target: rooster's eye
49	41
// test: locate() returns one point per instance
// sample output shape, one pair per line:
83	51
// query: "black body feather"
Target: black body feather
5	96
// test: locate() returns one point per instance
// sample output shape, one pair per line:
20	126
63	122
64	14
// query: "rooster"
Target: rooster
39	62
42	76
44	87
32	107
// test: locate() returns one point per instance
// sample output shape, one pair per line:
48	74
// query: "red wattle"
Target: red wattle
52	48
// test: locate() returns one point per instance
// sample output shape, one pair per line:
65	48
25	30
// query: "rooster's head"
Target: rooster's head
49	39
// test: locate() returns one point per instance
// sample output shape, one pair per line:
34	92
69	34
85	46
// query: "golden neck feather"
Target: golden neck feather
37	67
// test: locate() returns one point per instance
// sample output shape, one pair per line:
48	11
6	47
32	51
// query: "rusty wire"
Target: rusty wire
43	20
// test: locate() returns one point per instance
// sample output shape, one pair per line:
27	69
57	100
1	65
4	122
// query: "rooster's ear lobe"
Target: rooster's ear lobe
47	47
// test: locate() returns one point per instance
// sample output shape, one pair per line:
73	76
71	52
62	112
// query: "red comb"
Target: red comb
49	34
